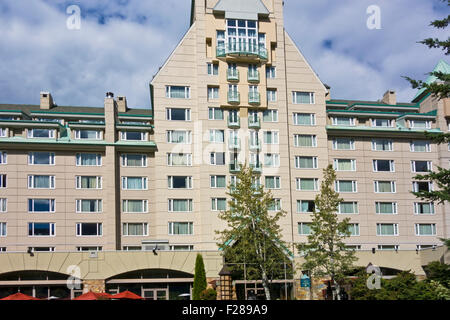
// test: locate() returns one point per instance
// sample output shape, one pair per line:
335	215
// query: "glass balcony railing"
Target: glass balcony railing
257	167
254	98
235	167
234	123
242	48
234	143
234	97
253	76
232	75
254	124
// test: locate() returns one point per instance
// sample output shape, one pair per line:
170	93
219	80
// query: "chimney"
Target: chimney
122	104
110	117
389	97
46	100
328	94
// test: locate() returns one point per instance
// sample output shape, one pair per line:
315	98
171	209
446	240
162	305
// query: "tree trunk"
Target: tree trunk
265	283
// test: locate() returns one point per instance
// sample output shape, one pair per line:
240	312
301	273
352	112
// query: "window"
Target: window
423	208
304	228
270	115
45	158
354	229
88	182
387	229
305	162
271	95
218	204
307	184
305	206
272	182
384	186
3	205
304	119
41	182
216	136
180	205
383	123
41	205
348	207
178	92
420	146
421	166
134	183
135	229
212	69
388	247
272	160
215	113
425	229
179	159
271	137
133	136
88	135
386	207
275	205
217	158
88	159
41	133
420	124
213	93
3	157
382	145
135	206
353	247
89	229
218	182
302	97
178	114
42	249
132	248
134	160
301	140
3	180
422	186
270	72
89	205
3	231
179	182
346	186
174	136
343	121
383	165
181	248
221	39
181	228
343	144
41	229
345	164
89	248
4	133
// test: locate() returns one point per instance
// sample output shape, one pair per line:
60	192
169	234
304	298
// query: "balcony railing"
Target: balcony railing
235	167
254	124
254	98
253	76
242	48
257	167
234	123
234	143
232	75
234	97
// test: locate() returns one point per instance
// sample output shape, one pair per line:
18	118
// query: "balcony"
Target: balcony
234	123
234	97
235	167
256	167
254	98
254	145
234	143
232	75
242	49
254	124
253	76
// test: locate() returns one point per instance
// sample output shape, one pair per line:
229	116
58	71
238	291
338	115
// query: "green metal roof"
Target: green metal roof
443	67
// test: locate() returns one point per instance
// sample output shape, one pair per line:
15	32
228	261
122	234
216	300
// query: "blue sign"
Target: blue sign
305	281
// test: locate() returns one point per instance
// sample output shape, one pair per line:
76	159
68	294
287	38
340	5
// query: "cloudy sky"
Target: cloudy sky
122	43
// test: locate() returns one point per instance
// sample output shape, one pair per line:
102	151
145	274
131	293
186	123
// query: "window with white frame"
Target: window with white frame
423	208
275	205
88	134
89	229
181	247
217	158
180	205
343	144
271	137
382	145
305	162
218	204
420	146
270	115
89	248
272	160
181	228
41	205
3	179
343	121
178	92
388	247
304	228
344	164
134	160
307	184
3	157
212	68
299	97
422	186
383	165
88	182
305	206
134	183
213	93
178	114
386	207
216	136
384	186
304	119
354	229
41	182
272	182
346	186
88	159
41	229
134	229
41	133
270	72
421	166
134	206
218	182
348	207
215	113
179	159
425	229
133	136
387	229
179	136
41	158
4	132
420	124
305	140
3	204
271	95
382	123
179	182
3	231
89	205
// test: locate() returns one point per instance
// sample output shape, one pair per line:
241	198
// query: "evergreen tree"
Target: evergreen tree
325	252
199	278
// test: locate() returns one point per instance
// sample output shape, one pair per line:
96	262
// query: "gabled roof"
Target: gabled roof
443	67
242	9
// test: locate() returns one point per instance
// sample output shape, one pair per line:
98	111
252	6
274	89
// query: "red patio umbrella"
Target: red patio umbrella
127	295
94	296
19	296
